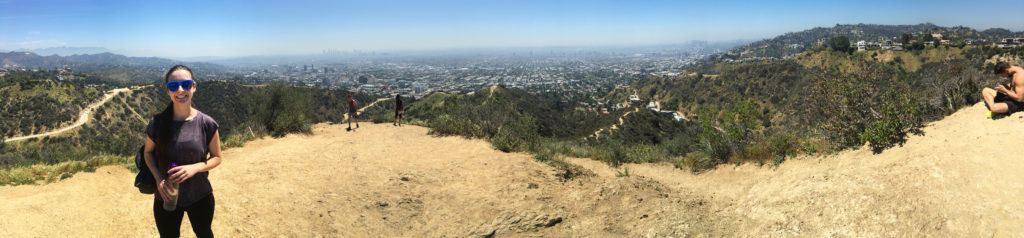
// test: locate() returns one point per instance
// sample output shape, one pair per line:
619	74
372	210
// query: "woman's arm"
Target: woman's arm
181	173
214	160
147	154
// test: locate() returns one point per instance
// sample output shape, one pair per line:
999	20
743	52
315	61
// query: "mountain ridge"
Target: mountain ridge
795	42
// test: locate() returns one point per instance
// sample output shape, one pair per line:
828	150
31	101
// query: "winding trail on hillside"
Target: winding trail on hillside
613	127
961	178
83	117
367	106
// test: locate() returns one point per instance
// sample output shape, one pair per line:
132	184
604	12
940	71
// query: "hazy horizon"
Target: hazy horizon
241	29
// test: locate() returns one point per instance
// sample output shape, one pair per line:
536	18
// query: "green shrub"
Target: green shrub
282	109
516	136
52	172
695	161
290	123
623	173
542	157
898	116
644	153
239	138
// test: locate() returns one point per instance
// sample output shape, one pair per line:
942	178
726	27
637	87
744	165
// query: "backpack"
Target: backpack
144	180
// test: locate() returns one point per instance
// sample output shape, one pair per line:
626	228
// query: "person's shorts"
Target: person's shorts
399	114
352	114
1011	105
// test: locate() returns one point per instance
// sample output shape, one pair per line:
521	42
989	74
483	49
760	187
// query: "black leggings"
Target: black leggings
200	214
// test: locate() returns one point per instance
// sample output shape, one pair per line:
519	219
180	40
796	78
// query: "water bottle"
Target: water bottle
172	203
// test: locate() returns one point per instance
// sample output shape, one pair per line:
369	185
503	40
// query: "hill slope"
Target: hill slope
957	179
795	42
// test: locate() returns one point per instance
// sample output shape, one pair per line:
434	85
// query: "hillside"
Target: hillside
110	68
125	115
35	102
398	181
795	42
818	101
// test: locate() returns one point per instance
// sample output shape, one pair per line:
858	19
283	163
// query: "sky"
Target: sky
245	28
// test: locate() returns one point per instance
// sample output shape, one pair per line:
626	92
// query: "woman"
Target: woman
182	136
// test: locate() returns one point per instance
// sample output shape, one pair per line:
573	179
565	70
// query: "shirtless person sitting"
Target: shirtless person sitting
1006	98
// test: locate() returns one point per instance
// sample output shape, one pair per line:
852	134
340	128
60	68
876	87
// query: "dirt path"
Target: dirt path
378	181
613	127
959	179
367	106
83	117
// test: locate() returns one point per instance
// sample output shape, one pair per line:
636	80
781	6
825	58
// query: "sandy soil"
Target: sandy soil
961	178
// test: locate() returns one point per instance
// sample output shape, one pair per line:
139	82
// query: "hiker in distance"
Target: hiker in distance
399	110
353	113
1005	98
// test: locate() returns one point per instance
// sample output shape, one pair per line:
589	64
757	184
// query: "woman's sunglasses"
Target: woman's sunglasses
186	84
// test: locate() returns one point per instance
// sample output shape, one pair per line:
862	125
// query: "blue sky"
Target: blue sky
241	28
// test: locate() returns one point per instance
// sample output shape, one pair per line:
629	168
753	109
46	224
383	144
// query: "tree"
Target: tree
905	38
840	43
928	37
916	46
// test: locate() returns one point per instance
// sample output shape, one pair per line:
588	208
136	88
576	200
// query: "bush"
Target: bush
695	161
643	153
715	146
516	136
713	143
898	116
239	138
542	157
450	125
282	109
43	172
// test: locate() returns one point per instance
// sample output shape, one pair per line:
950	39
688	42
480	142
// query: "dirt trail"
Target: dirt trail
614	127
83	117
398	181
961	178
367	106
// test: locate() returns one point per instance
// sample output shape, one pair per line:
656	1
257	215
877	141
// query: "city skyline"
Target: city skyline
233	29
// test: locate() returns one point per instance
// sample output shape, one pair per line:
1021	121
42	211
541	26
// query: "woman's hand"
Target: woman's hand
164	189
181	173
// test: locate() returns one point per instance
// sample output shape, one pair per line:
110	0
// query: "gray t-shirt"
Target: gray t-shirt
190	144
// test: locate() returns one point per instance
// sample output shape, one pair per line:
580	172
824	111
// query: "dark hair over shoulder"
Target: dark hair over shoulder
1001	67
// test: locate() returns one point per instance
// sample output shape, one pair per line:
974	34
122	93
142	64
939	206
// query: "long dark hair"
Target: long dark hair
162	125
398	100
